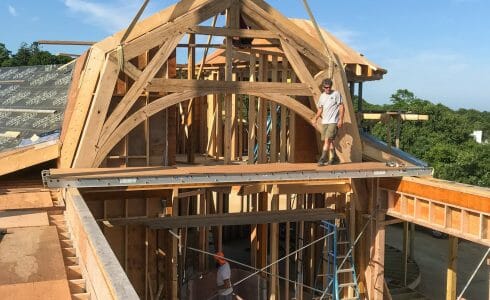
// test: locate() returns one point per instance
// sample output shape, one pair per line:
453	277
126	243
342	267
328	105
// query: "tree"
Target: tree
444	141
31	55
4	53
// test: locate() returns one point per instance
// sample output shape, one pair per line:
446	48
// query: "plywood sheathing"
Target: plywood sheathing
32	264
15	219
34	200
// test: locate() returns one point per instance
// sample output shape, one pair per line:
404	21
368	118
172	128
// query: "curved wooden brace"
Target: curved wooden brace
162	103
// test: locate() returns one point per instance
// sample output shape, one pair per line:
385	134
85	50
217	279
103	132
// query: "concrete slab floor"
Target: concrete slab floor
431	256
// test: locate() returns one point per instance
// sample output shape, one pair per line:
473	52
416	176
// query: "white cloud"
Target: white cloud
111	17
12	11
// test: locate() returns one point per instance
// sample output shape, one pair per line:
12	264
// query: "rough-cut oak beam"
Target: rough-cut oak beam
299	67
135	119
349	146
162	17
135	91
262	217
131	70
81	107
155	37
230	87
169	100
98	112
243	33
267	17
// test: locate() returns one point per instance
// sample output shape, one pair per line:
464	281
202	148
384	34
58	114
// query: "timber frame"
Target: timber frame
133	110
116	79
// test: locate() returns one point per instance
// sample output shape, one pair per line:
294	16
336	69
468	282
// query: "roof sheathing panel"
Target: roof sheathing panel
32	101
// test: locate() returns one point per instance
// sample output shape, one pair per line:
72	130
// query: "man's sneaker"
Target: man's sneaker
321	163
331	162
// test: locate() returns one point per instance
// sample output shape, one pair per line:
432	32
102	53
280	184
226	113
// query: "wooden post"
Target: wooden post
220	206
231	22
174	293
299	256
274	293
253	234
412	241
286	245
273	138
397	131
359	97
405	250
262	112
292	131
252	112
219	119
452	268
203	237
379	246
283	127
262	233
352	231
191	71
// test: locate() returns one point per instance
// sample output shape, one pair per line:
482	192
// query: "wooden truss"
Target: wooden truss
102	115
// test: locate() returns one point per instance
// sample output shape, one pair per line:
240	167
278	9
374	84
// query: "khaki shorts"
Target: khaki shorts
328	131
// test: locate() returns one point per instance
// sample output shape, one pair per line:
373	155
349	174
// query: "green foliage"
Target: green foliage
444	141
29	56
4	53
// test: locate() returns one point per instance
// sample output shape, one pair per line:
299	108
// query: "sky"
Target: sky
437	49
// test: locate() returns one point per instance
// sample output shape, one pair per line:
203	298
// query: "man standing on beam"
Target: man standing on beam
331	110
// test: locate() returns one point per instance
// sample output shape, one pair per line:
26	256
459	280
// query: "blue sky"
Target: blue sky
438	49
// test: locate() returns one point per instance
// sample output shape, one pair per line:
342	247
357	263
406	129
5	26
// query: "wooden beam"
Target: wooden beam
191	74
131	70
274	142
341	187
232	19
73	93
81	107
165	32
348	140
162	103
252	111
301	71
22	158
402	116
158	19
97	113
231	87
254	189
224	219
267	17
274	252
135	91
452	193
231	32
71	43
142	114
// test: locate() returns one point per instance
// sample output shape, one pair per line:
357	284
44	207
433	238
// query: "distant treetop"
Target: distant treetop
29	56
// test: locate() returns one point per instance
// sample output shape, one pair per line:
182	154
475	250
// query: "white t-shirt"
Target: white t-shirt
224	273
330	104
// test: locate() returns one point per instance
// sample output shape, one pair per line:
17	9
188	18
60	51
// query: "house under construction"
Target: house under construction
160	164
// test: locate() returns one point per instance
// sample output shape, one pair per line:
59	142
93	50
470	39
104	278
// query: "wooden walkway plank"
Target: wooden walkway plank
26	201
